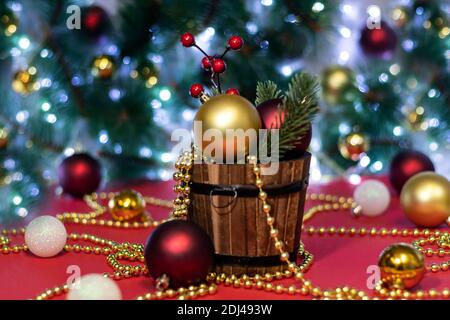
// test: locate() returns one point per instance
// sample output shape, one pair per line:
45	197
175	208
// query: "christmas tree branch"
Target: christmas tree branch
267	90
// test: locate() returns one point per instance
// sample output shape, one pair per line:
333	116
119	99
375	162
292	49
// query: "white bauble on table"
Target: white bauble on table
95	287
373	197
45	236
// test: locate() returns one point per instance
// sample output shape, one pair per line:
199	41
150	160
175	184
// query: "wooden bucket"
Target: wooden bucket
226	206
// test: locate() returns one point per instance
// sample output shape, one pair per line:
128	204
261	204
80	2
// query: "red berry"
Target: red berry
206	63
218	66
196	90
232	91
235	42
187	39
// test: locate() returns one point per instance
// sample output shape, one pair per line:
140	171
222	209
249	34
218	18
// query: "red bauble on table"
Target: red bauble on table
95	20
407	164
79	174
379	40
182	251
272	119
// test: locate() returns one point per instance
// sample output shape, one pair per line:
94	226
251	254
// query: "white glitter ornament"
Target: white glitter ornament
45	236
373	197
94	287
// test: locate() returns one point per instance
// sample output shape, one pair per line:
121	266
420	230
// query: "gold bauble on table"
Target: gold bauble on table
224	112
103	67
337	81
425	199
25	81
126	205
401	265
353	145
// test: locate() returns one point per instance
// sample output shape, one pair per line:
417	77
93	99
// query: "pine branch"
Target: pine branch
266	91
298	110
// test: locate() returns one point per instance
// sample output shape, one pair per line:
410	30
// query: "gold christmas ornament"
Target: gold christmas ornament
25	81
353	145
4	138
402	266
400	16
425	199
337	81
126	205
103	67
224	112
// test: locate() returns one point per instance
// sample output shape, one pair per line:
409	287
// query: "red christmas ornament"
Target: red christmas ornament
187	39
272	119
407	164
218	65
232	91
235	43
95	20
196	90
206	63
79	174
378	40
181	250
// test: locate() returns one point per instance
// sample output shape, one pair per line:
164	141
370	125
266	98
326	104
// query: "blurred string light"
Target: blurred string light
318	7
374	11
24	43
377	166
103	137
145	152
165	94
46	106
267	3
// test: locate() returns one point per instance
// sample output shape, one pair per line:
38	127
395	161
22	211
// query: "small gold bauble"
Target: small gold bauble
126	205
25	81
425	199
402	265
225	112
4	138
353	145
337	81
103	67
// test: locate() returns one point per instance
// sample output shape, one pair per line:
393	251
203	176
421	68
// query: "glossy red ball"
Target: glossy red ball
195	90
94	20
378	40
235	42
218	65
79	174
232	91
206	63
187	39
407	164
182	251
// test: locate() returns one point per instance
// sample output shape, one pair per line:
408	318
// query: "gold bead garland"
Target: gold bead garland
116	252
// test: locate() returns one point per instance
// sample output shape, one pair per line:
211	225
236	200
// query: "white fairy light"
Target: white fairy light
397	131
46	106
165	94
24	43
354	179
103	137
345	32
51	118
166	157
267	3
318	7
286	70
145	152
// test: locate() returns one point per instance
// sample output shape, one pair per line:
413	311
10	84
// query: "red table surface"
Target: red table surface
338	260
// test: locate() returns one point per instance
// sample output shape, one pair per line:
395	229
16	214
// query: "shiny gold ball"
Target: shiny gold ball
425	199
4	138
103	67
126	205
337	82
402	265
25	81
224	112
400	16
353	145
